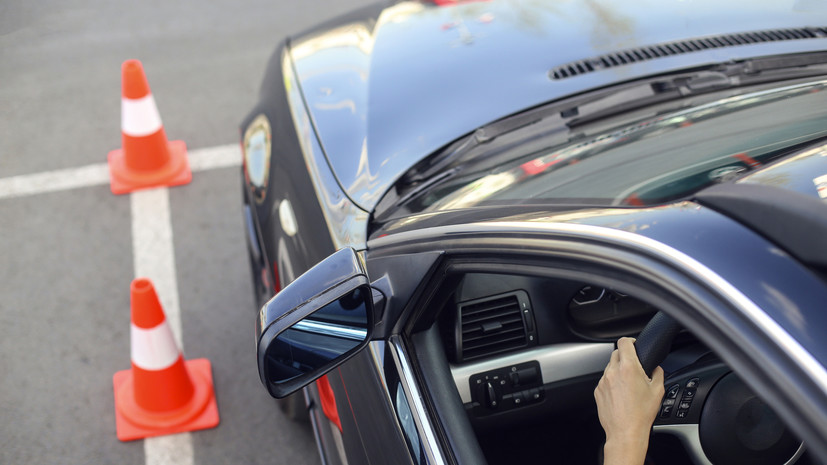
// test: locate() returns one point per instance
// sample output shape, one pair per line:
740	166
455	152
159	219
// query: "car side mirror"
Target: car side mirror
314	324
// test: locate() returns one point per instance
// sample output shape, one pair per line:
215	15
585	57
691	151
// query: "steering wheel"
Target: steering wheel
707	406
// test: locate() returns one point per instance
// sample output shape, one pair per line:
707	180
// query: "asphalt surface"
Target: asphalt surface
66	258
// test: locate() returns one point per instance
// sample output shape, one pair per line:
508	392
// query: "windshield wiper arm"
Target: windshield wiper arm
710	79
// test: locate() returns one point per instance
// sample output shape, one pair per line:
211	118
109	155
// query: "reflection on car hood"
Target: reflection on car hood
805	173
385	91
658	159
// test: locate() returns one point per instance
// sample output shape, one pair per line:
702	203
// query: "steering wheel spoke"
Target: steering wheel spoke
689	435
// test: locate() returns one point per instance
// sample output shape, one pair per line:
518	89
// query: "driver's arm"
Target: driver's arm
627	404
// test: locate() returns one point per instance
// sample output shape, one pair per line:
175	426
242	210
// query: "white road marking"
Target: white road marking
153	252
223	156
152	249
175	449
154	256
53	181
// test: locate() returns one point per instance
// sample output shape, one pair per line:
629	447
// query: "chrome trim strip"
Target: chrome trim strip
804	359
330	329
377	351
690	436
797	455
432	449
557	363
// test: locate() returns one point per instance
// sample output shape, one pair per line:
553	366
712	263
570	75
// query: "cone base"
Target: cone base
174	173
133	422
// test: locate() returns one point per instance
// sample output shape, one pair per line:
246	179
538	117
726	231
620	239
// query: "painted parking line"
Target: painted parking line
223	156
152	249
154	257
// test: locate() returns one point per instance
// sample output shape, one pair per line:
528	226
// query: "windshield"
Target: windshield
647	161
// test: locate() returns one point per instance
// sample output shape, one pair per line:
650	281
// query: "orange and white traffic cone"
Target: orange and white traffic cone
162	393
146	159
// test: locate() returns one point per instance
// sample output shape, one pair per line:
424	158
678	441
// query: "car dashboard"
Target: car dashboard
509	336
526	352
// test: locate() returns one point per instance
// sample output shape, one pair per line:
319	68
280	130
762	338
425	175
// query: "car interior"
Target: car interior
524	351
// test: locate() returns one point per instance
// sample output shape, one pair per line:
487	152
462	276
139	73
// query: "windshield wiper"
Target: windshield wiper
709	79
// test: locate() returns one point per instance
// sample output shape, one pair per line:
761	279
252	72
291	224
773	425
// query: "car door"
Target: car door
700	290
408	399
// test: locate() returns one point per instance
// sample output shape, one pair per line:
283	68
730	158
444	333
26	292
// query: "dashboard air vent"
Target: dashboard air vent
494	324
635	55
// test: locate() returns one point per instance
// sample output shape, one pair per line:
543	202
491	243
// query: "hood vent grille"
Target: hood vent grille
492	325
635	55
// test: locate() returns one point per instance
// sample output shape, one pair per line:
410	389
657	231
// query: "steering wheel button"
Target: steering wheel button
672	393
680	413
669	402
666	411
683	406
692	383
689	394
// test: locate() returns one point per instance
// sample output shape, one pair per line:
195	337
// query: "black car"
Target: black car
455	208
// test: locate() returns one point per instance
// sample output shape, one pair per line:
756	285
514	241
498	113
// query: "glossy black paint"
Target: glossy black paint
387	90
376	422
794	221
289	179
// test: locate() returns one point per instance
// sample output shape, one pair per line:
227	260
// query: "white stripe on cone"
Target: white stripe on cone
153	349
140	117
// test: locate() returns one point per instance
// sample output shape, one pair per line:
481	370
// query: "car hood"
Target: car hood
387	87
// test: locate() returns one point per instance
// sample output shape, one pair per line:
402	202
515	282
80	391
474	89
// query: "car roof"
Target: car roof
387	89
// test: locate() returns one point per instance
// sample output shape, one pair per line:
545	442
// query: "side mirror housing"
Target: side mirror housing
314	324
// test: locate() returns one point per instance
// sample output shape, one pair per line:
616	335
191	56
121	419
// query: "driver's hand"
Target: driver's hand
627	404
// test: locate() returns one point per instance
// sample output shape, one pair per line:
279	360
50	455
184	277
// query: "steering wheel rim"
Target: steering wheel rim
684	407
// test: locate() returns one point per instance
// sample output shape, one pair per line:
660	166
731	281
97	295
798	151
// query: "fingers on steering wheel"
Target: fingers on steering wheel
626	346
613	361
628	356
657	376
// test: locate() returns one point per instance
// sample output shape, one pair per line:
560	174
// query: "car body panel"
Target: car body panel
805	173
298	174
374	418
346	222
484	61
289	180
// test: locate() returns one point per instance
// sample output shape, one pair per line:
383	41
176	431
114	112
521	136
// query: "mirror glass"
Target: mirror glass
320	338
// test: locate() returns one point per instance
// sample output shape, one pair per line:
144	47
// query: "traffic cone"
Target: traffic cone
147	159
162	393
